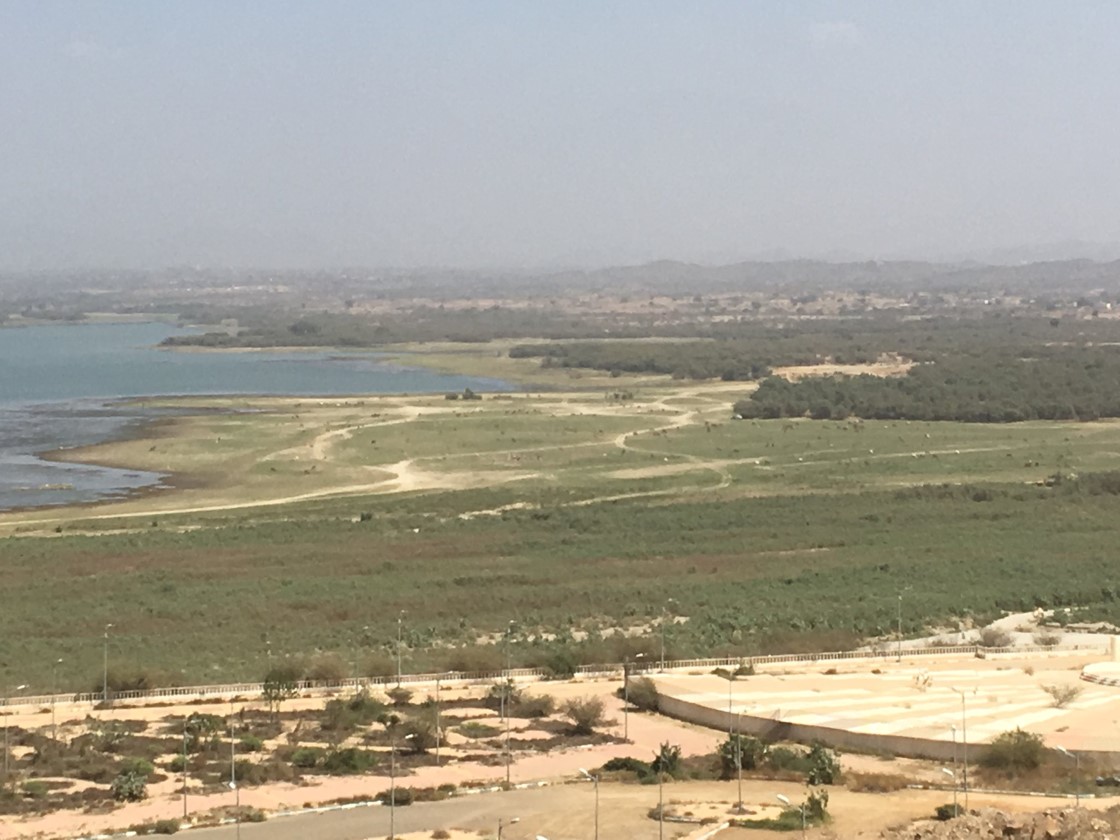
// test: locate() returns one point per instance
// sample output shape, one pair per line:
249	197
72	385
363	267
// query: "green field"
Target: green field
768	535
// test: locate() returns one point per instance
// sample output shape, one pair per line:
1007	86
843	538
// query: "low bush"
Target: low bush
946	812
306	758
585	713
129	787
532	706
401	796
349	761
642	694
250	743
875	782
1014	752
994	637
399	696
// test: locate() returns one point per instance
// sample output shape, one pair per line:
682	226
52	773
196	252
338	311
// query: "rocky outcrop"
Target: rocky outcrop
989	824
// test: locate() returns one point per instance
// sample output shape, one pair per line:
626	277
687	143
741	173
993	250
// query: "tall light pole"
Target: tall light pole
1077	771
393	783
400	644
964	744
232	772
185	770
899	626
664	617
105	668
660	802
785	801
953	728
739	760
438	731
54	699
953	776
7	741
594	779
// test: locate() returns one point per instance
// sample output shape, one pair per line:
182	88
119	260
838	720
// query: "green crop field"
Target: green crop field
296	531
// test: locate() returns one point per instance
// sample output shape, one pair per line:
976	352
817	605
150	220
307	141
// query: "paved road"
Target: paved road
558	813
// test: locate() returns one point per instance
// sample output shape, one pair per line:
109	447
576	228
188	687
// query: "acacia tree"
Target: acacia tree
280	683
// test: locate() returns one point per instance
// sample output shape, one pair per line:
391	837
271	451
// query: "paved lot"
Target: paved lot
918	698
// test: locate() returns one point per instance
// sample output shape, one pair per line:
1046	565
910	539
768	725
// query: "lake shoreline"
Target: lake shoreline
71	390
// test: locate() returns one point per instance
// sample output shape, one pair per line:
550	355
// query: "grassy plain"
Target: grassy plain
306	526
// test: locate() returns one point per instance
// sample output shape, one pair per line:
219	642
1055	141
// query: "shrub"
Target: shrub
740	751
348	762
306	758
280	683
402	796
783	758
250	743
139	766
1062	695
945	812
1047	638
667	760
502	694
203	732
253	773
993	637
875	782
824	767
377	664
475	658
627	765
1014	752
419	733
475	729
34	789
585	713
165	827
533	706
642	693
129	787
328	667
399	696
440	834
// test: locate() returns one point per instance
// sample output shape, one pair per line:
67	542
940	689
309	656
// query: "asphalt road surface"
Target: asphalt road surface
565	812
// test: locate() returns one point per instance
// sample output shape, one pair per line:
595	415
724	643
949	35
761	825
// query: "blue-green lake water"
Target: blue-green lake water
59	387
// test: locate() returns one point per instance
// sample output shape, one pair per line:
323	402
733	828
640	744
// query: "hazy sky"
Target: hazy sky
322	133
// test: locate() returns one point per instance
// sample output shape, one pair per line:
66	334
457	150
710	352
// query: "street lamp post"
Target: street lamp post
953	776
400	644
1077	772
393	782
660	802
594	779
185	770
739	760
105	667
664	617
438	731
964	744
232	772
785	801
7	741
900	627
54	699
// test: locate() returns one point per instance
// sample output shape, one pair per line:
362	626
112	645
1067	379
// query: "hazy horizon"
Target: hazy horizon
554	134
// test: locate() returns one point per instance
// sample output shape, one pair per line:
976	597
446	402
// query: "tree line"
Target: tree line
1073	385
